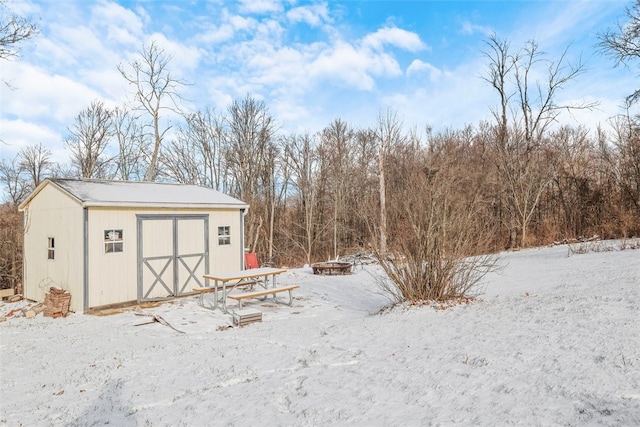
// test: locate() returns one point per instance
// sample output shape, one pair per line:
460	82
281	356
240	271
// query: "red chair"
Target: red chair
251	260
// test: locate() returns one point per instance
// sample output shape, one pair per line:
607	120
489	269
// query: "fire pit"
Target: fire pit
331	268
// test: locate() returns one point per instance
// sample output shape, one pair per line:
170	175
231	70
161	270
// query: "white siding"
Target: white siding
53	214
225	258
113	276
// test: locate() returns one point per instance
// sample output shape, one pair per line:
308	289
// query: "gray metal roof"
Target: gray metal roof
144	194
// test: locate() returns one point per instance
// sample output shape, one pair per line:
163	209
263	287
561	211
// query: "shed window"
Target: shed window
113	241
51	248
224	235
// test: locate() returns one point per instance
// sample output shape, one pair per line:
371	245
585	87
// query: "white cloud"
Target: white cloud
267	64
395	37
241	23
123	26
217	34
420	67
270	29
184	58
226	30
44	97
343	62
470	28
260	6
112	86
22	8
459	97
356	64
314	15
66	47
17	134
287	110
283	68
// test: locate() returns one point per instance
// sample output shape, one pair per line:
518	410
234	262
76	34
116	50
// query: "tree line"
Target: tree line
515	181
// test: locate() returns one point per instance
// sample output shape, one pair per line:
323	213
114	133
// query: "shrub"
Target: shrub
443	253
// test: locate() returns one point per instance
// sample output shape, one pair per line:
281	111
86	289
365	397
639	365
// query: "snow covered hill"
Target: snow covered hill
554	340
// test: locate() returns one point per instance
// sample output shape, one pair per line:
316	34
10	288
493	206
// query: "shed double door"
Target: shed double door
173	255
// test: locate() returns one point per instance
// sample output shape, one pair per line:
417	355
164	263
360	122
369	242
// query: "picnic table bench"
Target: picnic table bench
224	283
263	293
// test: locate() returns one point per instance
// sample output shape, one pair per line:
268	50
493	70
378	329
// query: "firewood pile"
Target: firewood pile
56	303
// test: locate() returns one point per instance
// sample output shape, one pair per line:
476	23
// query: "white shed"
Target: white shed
112	242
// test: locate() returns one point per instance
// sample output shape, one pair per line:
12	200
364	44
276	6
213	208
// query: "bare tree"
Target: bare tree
364	186
500	66
155	89
302	156
527	111
13	179
64	170
536	98
180	161
88	139
206	129
36	162
624	161
575	189
130	137
198	153
337	141
250	137
276	178
388	134
623	42
251	129
14	30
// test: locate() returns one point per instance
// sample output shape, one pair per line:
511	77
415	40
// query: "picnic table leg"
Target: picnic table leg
273	285
224	298
215	295
265	280
275	296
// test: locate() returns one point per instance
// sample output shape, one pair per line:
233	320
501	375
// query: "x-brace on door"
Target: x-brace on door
173	255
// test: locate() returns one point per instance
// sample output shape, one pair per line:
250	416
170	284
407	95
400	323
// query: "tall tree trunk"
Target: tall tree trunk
383	202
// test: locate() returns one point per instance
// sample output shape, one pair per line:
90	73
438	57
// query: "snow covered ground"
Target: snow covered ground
554	340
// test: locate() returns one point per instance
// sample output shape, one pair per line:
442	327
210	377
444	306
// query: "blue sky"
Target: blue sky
311	62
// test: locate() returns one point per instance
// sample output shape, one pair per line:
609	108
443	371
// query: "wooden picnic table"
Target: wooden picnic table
227	282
